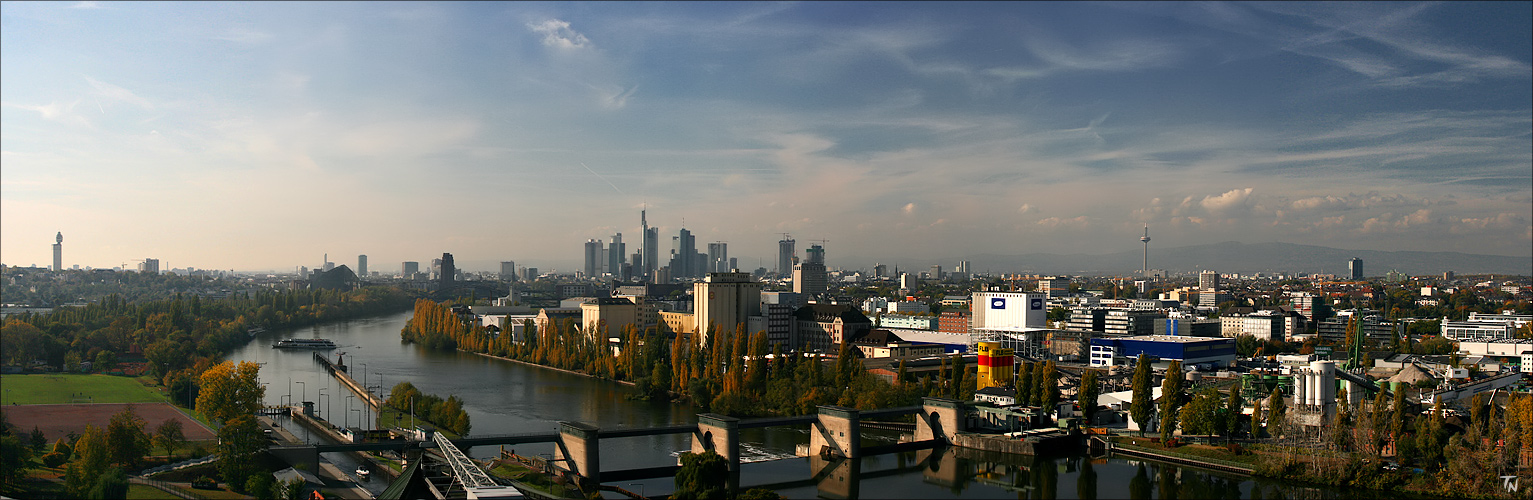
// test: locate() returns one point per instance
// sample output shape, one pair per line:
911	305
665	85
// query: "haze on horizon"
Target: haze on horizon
257	136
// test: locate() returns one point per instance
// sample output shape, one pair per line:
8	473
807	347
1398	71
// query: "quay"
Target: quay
1106	444
341	373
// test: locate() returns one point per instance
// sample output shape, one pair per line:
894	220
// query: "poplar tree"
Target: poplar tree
1142	406
1170	399
1039	385
1275	408
1050	387
1090	389
1025	384
1233	406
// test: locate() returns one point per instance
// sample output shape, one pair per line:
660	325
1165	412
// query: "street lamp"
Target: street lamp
359	417
321	397
348	409
305	392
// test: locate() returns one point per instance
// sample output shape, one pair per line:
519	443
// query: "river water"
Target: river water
504	398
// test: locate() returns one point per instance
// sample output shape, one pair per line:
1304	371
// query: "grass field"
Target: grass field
74	388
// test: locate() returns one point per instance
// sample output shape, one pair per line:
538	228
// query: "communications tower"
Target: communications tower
1146	240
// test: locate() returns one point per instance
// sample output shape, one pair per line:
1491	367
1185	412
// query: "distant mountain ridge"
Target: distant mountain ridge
1236	257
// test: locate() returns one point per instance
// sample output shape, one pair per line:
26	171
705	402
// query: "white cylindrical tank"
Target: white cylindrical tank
1326	375
1300	387
1355	392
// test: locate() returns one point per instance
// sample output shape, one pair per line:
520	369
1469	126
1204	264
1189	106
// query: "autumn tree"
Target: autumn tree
1170	399
230	390
1275	412
1201	415
91	458
1234	404
238	441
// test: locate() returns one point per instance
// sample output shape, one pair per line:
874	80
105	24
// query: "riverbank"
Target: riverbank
571	372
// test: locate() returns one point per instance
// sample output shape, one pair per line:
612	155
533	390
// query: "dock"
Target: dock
340	373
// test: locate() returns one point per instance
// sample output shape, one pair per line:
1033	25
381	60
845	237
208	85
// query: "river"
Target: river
504	398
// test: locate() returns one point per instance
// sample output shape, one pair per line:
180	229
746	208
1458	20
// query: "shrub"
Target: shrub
204	482
54	459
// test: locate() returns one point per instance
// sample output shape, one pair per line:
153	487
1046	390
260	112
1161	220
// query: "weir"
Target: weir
835	437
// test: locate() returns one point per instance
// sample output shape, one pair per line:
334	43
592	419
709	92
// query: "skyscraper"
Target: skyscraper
718	257
58	252
593	258
449	271
508	270
684	255
651	257
361	266
1355	268
149	266
1208	281
809	277
784	255
616	255
408	269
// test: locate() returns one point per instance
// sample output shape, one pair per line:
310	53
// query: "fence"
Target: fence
173	489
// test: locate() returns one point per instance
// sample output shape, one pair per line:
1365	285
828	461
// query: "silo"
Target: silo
1301	387
1325	374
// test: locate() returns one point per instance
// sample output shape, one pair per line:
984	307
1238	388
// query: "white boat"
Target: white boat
363	472
304	344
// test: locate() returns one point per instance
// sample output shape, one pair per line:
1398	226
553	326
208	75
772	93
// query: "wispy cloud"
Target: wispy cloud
558	34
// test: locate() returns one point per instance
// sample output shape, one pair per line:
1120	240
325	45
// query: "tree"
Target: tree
90	461
702	476
238	440
1050	387
1257	430
1091	388
1039	384
105	361
229	391
169	436
110	484
1234	404
1025	383
1201	415
125	439
39	441
1275	410
14	458
1170	399
1142	407
261	486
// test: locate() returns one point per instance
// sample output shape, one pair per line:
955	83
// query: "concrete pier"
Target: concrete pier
578	450
836	433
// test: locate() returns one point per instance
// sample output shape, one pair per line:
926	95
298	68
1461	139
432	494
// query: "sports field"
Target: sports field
74	388
56	421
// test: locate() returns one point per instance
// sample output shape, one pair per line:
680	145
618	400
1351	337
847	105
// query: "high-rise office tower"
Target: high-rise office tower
809	277
785	255
58	252
449	271
1355	268
361	266
651	251
1208	280
151	266
616	254
684	261
408	269
718	257
880	270
508	270
937	272
593	258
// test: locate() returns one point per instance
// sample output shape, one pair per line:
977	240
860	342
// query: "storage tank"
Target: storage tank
1325	382
1301	388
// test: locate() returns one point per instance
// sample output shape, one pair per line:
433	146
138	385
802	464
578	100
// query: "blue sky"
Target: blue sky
262	135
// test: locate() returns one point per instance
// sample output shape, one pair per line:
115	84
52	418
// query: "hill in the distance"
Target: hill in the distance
1235	257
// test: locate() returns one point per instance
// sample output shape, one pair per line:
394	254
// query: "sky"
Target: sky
264	135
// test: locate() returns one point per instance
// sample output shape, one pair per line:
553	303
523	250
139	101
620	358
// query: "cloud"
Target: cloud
1074	222
1025	208
115	93
557	34
1230	201
910	208
240	34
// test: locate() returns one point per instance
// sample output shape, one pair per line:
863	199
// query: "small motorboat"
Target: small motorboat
363	472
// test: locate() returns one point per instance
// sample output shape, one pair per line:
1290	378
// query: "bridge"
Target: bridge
834	434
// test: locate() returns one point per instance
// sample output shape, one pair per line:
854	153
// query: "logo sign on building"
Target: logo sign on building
997	303
1036	304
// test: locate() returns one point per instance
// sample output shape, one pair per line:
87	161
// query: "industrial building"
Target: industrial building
1212	352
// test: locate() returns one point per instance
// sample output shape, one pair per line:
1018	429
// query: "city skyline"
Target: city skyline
256	136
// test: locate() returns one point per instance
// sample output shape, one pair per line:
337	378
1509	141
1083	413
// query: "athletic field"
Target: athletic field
58	420
74	389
